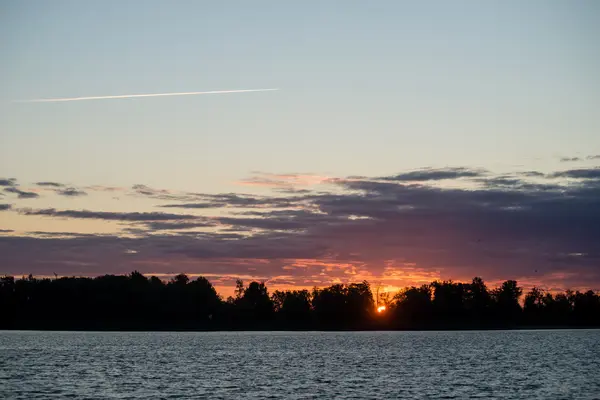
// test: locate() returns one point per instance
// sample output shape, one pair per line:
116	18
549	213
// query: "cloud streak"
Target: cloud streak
71	192
50	184
105	215
131	96
8	182
22	194
429	174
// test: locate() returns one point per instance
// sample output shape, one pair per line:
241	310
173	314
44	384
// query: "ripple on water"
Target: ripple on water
301	365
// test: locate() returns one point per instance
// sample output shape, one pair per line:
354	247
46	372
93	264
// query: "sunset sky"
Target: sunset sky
408	141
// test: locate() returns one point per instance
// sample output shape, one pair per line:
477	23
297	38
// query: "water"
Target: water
298	365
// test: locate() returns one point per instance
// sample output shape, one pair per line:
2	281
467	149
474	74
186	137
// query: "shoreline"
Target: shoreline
524	328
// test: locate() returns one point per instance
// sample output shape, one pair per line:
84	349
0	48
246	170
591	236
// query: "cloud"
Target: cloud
191	200
22	194
262	181
516	183
148	191
570	159
180	225
237	200
4	207
50	184
62	234
101	188
264	223
71	192
131	96
105	215
6	230
532	174
594	157
193	205
498	226
583	173
283	181
8	182
429	174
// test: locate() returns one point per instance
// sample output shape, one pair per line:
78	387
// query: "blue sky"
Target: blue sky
369	89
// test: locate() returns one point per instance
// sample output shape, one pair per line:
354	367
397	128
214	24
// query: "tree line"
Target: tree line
137	302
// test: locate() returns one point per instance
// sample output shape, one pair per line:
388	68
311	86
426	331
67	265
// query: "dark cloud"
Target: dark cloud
6	230
570	159
148	191
165	225
504	226
212	235
532	174
22	194
62	234
105	215
71	192
237	201
190	200
4	207
193	205
583	173
8	182
292	190
50	184
502	181
265	223
429	174
219	253
515	183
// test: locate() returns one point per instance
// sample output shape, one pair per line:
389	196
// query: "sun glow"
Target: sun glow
380	309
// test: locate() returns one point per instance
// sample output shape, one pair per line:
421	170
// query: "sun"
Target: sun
380	309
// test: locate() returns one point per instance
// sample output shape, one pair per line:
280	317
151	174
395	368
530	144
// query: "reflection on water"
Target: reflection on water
299	365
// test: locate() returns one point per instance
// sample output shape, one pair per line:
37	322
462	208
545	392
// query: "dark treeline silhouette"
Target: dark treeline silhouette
135	302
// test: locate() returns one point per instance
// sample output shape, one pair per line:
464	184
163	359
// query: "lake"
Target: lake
552	364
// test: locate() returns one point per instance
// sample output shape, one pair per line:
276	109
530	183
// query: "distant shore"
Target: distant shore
167	330
135	302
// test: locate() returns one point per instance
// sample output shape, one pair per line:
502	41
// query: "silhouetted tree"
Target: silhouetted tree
360	301
330	306
477	301
448	302
586	308
413	306
136	302
506	299
254	303
292	306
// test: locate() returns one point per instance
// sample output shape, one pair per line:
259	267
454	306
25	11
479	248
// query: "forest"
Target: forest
137	302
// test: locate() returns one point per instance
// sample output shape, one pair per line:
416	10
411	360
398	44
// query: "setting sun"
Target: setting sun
380	309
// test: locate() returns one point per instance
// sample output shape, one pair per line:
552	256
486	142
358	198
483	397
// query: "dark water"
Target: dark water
425	365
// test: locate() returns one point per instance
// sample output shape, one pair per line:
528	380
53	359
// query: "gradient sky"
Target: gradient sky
411	130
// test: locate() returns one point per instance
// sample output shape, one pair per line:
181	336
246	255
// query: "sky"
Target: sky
407	141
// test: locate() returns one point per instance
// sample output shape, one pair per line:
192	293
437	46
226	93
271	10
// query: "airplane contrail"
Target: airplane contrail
130	96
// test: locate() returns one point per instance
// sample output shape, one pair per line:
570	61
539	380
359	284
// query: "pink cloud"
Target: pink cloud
264	179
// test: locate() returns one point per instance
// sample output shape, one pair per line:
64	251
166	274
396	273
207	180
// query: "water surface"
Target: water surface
560	364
